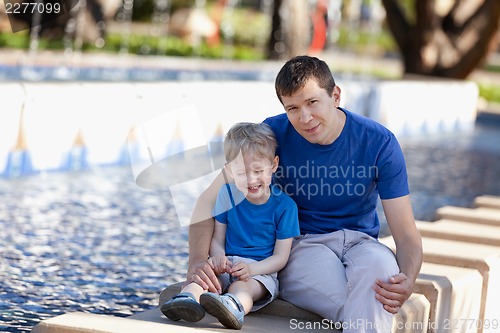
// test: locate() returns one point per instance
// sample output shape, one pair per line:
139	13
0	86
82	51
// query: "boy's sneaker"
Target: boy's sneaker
227	308
183	306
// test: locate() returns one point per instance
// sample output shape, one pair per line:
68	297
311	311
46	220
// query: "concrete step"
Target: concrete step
153	321
480	215
254	322
461	231
413	317
484	258
448	288
487	201
278	307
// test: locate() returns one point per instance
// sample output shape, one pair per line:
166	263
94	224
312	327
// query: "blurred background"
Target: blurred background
442	38
93	92
381	38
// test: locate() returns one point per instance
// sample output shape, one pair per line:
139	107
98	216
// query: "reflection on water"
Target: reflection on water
96	242
92	242
453	169
130	74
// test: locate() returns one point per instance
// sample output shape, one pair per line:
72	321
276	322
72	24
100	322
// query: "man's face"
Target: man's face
312	112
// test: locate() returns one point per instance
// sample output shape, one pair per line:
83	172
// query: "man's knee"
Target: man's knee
375	262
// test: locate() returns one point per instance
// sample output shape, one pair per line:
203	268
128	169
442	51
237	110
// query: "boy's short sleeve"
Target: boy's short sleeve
222	205
288	224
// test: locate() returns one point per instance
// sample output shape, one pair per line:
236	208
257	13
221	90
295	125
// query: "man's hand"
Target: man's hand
203	274
394	293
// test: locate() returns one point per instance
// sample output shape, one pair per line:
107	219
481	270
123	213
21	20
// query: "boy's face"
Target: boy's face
312	112
252	175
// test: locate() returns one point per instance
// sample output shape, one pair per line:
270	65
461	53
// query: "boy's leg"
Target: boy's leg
230	308
226	308
195	289
314	277
185	305
248	292
366	260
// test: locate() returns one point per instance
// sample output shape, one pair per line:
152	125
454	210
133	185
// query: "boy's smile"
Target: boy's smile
252	175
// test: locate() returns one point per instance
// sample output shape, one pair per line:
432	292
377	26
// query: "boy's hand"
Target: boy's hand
220	264
241	270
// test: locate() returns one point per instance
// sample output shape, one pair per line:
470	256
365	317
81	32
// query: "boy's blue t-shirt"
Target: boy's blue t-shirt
337	186
252	229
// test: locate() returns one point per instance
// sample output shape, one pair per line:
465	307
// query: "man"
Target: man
335	165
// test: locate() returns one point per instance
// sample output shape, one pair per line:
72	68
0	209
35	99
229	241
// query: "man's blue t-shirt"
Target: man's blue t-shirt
337	186
252	229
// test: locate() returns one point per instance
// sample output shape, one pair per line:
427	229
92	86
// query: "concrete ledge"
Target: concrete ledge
413	316
487	201
461	231
152	321
254	322
454	292
454	108
79	322
483	258
437	290
278	307
96	116
477	215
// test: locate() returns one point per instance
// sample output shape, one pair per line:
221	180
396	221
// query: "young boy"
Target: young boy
254	228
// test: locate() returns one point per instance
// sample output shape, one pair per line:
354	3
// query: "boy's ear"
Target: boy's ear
276	161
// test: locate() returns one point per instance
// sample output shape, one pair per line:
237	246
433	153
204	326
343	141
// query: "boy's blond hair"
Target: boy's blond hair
249	137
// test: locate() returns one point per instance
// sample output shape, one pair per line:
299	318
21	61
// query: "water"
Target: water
93	241
453	169
134	74
89	241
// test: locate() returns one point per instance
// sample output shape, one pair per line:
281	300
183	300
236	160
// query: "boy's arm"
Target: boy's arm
275	262
218	260
218	243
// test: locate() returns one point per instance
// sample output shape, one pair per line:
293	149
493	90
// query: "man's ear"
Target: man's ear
336	96
275	164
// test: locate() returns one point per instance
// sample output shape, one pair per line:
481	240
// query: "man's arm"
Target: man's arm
393	293
200	234
218	260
